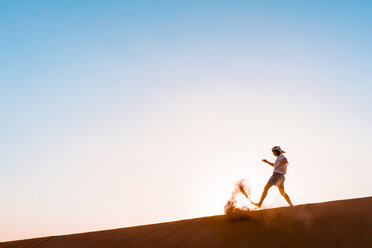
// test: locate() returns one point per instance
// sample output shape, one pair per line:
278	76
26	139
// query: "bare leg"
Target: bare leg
264	194
286	197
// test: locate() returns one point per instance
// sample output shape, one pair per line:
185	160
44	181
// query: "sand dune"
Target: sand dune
346	223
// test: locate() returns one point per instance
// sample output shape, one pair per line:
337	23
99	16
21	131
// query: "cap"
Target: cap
277	148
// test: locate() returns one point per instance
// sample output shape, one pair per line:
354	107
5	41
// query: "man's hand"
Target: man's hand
264	160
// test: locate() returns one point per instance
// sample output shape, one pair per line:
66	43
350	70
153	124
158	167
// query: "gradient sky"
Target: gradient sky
121	113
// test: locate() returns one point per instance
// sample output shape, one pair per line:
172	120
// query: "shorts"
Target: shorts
277	179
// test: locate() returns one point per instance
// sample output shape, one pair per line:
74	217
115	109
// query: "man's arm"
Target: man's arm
267	162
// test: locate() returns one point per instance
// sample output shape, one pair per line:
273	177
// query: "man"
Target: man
277	179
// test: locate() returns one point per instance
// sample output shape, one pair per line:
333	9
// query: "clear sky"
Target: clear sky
121	113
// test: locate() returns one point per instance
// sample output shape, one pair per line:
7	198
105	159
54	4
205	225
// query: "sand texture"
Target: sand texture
346	223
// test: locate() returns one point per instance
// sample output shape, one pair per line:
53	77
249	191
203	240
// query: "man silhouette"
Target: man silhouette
277	179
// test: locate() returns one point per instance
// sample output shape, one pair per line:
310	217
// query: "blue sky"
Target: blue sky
101	99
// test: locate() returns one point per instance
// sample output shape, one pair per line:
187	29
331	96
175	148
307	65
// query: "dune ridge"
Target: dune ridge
344	223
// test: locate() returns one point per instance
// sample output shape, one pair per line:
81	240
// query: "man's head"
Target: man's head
277	150
276	153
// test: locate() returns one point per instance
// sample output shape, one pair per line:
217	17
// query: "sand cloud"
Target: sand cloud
234	210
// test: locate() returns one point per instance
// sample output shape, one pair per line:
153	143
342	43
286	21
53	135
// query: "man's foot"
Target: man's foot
256	204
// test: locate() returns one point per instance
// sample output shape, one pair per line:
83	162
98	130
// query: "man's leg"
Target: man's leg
264	194
286	197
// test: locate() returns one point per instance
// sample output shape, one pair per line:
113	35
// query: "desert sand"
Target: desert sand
345	223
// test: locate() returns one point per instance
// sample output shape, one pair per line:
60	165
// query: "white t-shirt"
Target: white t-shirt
280	165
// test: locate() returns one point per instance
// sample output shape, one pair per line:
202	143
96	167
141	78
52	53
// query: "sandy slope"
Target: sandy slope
346	223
